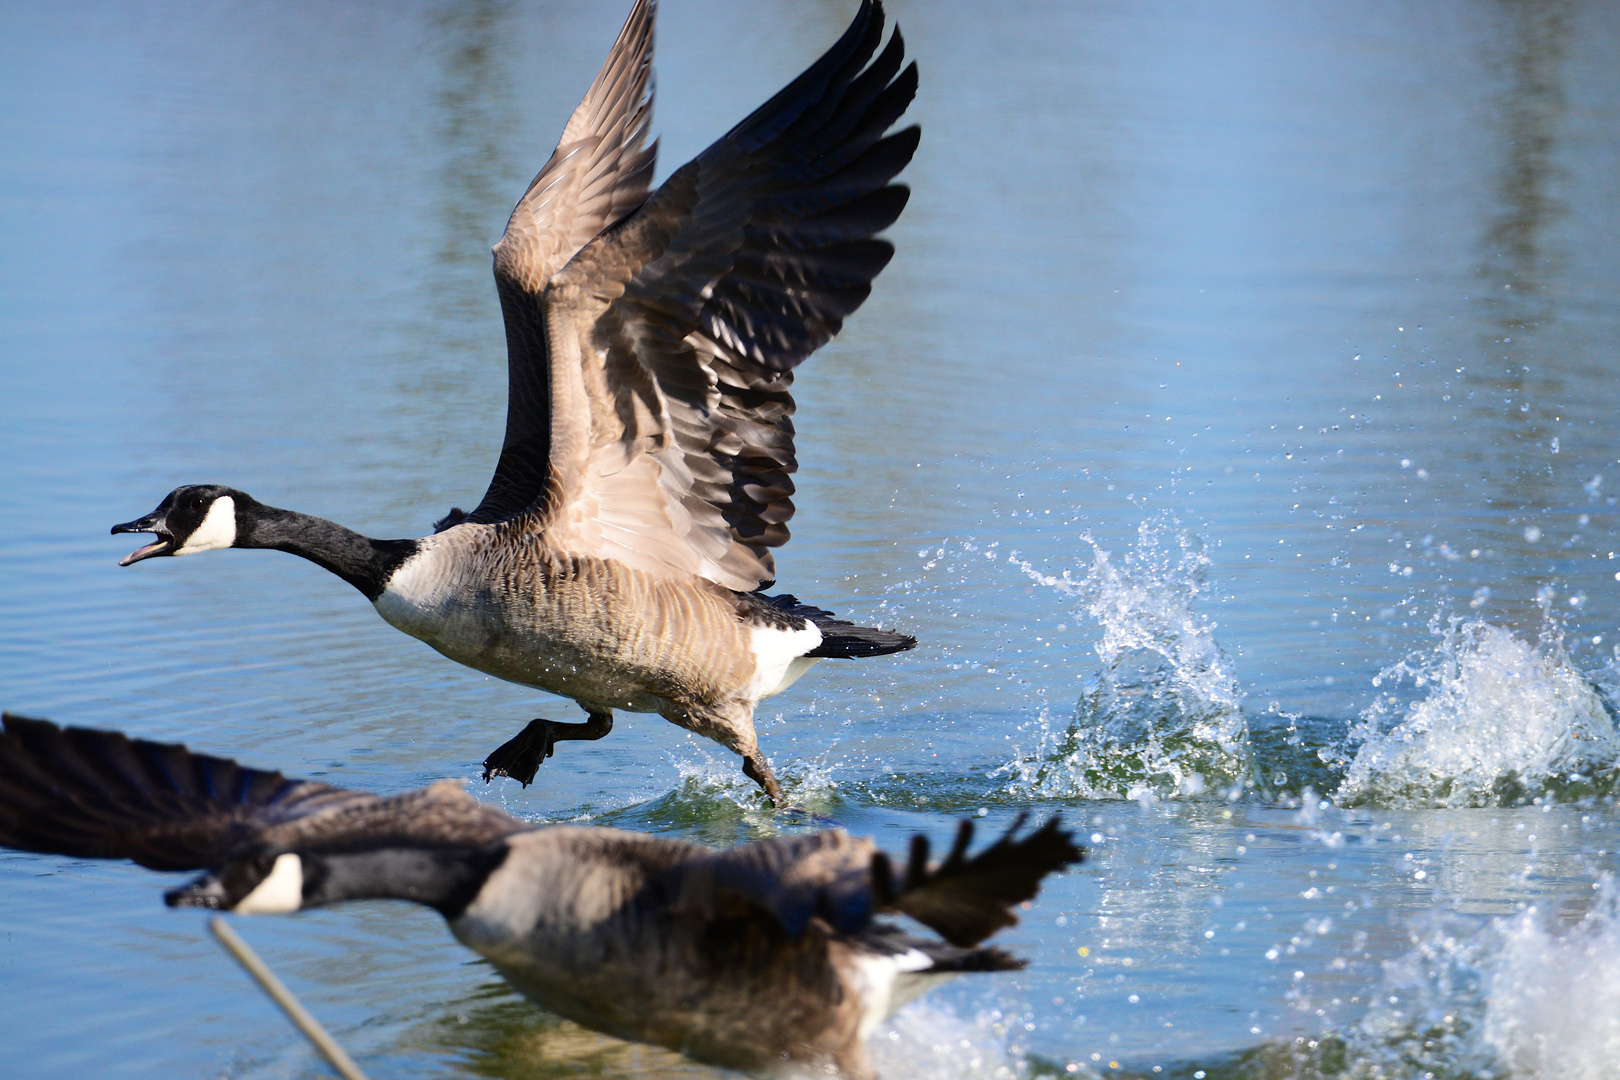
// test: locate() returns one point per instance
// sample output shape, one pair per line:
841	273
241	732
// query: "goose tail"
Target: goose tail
840	638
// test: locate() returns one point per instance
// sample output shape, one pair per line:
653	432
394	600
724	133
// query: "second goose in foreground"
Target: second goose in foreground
768	951
619	554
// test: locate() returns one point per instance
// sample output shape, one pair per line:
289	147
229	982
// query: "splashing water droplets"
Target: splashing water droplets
1162	715
1501	720
1512	999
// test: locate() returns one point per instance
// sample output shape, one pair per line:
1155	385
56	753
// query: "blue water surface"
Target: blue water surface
1288	333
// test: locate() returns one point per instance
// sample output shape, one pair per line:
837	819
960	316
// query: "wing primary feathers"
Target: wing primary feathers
847	882
599	173
964	836
674	333
102	795
917	865
789	104
883	892
967	899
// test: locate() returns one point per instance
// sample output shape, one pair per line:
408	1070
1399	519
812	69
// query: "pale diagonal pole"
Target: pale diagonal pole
311	1027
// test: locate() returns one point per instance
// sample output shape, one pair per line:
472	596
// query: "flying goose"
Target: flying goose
620	554
743	957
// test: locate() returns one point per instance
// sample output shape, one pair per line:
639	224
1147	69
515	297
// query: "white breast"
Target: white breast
415	598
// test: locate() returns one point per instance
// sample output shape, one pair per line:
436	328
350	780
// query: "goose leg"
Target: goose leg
732	728
757	769
519	756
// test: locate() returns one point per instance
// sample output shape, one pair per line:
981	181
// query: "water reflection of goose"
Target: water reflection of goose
619	554
740	957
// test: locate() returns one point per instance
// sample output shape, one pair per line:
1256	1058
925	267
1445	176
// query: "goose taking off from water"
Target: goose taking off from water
620	554
743	957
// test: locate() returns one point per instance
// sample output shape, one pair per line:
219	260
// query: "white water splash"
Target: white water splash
930	1042
1517	999
1501	720
709	778
1162	716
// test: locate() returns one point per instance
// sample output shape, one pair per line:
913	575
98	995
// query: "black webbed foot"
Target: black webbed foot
520	756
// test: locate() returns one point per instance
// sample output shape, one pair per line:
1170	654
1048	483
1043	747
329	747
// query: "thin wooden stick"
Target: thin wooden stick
324	1043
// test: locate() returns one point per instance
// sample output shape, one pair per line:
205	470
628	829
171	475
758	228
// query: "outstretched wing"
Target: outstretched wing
846	882
102	795
667	437
599	172
966	900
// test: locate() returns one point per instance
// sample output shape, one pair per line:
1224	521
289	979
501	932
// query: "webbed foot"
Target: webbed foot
520	756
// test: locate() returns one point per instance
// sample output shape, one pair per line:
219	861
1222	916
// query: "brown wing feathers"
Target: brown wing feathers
966	900
599	172
776	251
101	795
676	330
846	881
816	195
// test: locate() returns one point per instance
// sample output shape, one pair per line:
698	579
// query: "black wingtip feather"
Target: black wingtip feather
102	795
917	865
790	104
967	899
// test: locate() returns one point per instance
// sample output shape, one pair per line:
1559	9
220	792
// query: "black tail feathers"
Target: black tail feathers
966	900
950	958
841	638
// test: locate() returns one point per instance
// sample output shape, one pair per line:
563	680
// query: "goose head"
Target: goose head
263	882
197	517
270	880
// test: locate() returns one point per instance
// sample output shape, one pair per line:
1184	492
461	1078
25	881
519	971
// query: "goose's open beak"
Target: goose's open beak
205	892
151	523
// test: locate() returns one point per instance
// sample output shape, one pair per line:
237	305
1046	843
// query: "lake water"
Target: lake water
1238	429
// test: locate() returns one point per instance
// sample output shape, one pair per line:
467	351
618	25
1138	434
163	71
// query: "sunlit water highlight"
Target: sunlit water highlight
1477	718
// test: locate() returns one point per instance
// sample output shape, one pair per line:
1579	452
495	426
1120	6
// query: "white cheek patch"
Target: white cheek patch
280	892
218	529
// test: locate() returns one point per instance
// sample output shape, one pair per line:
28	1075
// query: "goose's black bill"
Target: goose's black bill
154	523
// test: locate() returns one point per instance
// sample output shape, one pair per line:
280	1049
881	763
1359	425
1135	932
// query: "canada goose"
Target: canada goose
620	554
743	957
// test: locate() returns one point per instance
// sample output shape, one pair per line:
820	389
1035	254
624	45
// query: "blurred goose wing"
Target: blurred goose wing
102	795
846	882
661	435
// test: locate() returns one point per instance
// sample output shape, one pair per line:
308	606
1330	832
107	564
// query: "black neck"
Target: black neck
444	878
365	563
